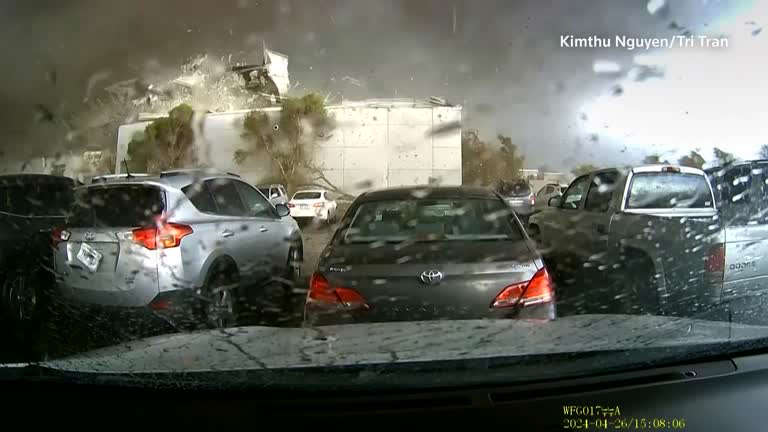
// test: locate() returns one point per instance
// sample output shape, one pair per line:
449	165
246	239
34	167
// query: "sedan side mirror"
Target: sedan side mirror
554	202
282	210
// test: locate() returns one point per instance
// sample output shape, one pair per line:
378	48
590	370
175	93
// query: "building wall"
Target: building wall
373	145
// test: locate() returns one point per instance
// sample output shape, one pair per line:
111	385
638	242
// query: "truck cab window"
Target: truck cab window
575	192
601	192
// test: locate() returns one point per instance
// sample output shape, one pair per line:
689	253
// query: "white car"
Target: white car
275	193
313	204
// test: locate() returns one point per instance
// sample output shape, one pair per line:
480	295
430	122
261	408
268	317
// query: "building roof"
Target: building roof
366	103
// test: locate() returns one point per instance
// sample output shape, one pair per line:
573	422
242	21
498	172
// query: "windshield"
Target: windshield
208	187
425	220
307	195
669	190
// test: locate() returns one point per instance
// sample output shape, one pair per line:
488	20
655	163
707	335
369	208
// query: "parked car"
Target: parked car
655	228
275	193
546	192
454	252
192	246
741	189
30	206
313	204
519	195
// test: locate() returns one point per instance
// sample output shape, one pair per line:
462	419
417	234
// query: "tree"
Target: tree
764	151
167	143
584	169
654	159
723	157
511	159
692	159
484	165
289	143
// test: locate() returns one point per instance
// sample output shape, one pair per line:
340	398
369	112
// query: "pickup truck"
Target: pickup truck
640	240
741	190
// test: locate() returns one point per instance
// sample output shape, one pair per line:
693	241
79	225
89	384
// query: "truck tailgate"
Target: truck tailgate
681	245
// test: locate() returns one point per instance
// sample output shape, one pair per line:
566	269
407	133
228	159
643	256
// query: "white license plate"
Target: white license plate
516	202
89	257
303	206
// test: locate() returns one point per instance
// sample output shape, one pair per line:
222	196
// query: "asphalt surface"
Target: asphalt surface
68	331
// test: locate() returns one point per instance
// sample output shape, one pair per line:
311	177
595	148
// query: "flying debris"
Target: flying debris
353	81
43	114
269	78
655	6
605	67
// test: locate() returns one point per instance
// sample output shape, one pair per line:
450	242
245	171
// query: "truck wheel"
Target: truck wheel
637	293
535	233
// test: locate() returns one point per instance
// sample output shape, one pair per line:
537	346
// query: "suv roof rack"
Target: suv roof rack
193	171
107	177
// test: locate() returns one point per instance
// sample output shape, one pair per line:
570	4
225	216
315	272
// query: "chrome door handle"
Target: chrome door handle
227	233
263	228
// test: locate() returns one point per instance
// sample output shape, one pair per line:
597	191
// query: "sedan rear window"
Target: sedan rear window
664	190
35	198
116	206
425	220
306	195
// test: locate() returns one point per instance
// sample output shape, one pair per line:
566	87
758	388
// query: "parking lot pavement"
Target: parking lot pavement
315	239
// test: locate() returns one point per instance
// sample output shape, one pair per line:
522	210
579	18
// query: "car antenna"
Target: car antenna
127	172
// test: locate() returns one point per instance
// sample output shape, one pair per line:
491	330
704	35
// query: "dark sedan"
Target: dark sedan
410	254
30	206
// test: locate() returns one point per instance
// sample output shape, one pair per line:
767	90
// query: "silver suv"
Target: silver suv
191	245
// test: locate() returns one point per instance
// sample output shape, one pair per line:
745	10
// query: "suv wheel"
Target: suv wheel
219	298
20	297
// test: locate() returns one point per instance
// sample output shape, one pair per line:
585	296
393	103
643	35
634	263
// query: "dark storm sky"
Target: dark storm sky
502	59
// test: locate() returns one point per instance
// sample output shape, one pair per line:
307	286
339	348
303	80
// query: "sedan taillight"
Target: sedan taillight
321	291
533	200
166	235
535	291
319	204
290	205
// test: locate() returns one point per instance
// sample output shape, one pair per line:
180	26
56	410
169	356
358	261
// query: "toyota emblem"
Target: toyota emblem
431	277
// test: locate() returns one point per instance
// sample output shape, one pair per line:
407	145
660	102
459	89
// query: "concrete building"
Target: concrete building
376	143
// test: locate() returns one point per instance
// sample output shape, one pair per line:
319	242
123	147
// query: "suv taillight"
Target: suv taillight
59	235
535	291
166	235
321	291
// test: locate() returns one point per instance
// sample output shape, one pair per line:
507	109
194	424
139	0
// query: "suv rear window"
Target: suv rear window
116	206
664	190
306	195
518	188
